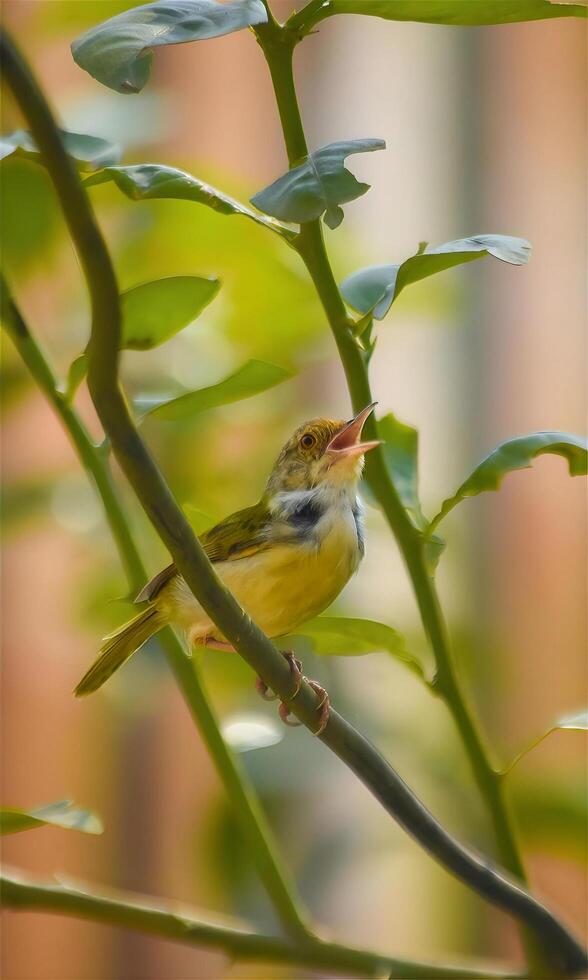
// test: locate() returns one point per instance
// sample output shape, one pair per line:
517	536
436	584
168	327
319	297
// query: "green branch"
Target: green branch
278	45
176	922
255	829
148	483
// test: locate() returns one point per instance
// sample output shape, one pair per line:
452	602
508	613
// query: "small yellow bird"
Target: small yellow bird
285	559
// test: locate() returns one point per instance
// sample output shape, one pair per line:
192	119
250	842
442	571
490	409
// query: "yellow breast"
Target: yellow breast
284	585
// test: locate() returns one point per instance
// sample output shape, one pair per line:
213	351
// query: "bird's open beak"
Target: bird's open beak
347	442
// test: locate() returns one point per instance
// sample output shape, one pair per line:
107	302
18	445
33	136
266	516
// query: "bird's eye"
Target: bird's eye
308	441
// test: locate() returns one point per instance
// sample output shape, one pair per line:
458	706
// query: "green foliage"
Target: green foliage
347	637
317	185
88	152
401	455
449	12
517	454
60	814
401	444
29	215
155	311
373	290
118	51
151	314
250	379
149	181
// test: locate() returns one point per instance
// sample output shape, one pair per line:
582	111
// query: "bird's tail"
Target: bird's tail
119	646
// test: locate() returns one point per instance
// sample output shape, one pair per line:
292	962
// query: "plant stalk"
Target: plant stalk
278	45
171	921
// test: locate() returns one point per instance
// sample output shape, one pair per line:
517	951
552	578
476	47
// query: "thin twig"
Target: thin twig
278	43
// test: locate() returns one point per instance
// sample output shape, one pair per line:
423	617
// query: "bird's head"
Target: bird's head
322	452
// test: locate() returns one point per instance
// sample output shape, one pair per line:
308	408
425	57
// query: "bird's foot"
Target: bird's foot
296	671
323	705
322	708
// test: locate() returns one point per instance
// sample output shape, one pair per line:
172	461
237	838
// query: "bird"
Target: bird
285	559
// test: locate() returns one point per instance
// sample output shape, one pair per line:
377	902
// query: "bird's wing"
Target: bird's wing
241	535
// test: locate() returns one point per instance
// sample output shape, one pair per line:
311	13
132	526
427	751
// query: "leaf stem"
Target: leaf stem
254	826
175	922
566	954
278	46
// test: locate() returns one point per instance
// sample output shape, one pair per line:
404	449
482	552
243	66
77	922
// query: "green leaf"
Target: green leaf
400	450
155	311
374	289
88	152
319	184
30	225
118	51
401	444
152	313
78	370
344	637
60	814
517	454
449	12
251	379
153	181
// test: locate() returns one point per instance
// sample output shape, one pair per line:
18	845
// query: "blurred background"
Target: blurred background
485	132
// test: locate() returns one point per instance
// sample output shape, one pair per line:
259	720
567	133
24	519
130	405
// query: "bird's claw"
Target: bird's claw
296	671
322	708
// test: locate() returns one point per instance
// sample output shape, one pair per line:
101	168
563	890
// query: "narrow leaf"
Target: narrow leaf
449	12
153	181
345	637
251	379
118	52
317	185
374	289
88	152
578	722
517	454
155	311
60	814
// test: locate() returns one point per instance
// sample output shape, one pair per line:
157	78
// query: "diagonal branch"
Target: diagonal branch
256	831
149	485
